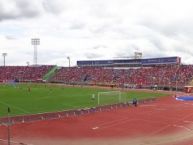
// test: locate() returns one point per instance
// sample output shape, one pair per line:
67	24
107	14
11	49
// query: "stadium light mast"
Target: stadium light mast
27	63
137	55
4	55
68	61
35	42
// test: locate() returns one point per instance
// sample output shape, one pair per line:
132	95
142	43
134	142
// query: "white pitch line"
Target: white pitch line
19	108
181	126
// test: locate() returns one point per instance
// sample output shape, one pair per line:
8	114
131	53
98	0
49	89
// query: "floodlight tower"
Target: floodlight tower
68	61
137	55
4	55
27	63
35	42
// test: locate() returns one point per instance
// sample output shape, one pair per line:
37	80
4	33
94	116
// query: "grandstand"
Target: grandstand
23	73
163	73
143	77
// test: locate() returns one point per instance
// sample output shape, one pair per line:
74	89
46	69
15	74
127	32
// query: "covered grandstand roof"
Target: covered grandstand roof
130	62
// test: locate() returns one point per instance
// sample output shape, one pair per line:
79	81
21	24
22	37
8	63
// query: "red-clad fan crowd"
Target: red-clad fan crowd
168	75
23	73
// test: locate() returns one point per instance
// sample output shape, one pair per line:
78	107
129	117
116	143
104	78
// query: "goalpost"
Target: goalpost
110	97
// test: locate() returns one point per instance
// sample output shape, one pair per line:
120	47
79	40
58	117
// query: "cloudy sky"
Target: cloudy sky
95	29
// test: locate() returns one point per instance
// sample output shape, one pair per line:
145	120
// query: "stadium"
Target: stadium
96	72
93	102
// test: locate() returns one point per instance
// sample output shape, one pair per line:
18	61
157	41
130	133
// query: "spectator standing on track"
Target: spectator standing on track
135	102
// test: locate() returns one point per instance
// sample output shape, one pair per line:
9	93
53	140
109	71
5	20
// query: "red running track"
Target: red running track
162	122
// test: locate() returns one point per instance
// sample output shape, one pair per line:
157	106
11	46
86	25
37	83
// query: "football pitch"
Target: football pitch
23	99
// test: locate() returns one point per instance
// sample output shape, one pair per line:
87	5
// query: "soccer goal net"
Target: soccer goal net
110	97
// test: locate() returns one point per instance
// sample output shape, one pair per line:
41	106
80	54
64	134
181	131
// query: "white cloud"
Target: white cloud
14	9
98	29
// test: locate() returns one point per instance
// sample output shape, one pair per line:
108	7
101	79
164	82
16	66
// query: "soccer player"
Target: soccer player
93	97
29	89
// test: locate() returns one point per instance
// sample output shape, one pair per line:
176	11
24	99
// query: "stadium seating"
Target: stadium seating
168	75
23	73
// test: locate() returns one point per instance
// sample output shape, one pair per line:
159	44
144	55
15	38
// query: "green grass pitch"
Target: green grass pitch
42	98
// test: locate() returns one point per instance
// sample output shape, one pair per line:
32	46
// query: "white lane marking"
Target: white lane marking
186	121
181	126
14	142
147	105
94	128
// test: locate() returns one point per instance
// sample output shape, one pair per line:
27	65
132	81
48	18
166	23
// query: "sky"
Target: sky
95	29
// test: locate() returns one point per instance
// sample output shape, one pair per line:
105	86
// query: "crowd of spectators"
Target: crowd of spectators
168	75
23	73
